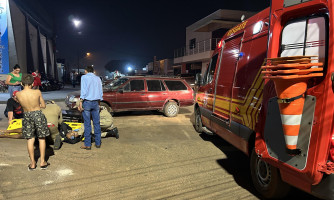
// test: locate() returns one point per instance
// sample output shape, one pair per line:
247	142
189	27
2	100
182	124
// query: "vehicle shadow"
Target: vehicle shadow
236	163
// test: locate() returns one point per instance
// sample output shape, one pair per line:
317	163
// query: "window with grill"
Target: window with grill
192	43
305	37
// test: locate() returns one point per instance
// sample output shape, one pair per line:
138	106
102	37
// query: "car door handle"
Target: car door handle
164	93
210	90
142	94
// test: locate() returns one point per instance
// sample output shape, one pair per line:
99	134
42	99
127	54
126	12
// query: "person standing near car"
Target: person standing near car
90	96
14	80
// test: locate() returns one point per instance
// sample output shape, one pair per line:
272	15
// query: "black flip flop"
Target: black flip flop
45	166
30	168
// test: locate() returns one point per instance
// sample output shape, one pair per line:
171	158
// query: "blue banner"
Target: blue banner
4	57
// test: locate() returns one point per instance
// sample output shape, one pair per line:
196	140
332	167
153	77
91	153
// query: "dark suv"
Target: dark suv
134	93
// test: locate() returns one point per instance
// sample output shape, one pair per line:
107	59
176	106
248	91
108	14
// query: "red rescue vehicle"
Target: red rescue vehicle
262	72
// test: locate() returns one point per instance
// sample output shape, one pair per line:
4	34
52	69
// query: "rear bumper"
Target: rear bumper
187	103
325	189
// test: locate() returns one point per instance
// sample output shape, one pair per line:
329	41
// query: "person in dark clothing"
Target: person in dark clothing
13	109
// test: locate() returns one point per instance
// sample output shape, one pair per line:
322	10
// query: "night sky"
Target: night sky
130	30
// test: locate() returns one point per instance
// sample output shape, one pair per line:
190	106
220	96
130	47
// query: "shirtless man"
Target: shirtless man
33	120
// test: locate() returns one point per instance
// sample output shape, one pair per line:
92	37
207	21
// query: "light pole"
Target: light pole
80	58
77	23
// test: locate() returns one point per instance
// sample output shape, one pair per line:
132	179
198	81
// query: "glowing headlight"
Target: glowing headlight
257	28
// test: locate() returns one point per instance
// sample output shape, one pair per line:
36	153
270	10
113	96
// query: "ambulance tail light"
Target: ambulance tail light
331	150
219	44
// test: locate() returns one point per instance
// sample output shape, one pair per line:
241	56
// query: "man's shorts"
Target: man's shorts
32	122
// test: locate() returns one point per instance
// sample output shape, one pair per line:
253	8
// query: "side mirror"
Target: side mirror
120	90
198	79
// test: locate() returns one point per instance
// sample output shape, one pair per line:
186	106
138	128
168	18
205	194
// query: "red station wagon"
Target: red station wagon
134	93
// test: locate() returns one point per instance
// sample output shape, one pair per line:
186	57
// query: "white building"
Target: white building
202	38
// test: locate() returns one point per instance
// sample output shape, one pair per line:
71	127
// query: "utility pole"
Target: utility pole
78	63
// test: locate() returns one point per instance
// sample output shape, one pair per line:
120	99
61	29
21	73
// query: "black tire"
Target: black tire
266	179
171	109
198	121
106	106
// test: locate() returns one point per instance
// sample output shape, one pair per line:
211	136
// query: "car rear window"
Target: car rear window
175	85
155	85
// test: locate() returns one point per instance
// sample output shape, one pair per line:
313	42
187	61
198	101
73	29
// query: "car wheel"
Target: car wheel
171	109
106	106
199	125
266	178
198	121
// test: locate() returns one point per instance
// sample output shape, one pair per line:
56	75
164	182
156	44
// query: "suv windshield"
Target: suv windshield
117	83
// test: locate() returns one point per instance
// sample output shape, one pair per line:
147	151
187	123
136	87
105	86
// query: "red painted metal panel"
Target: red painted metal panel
321	88
226	72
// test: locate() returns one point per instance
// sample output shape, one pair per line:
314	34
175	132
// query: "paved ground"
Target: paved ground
155	158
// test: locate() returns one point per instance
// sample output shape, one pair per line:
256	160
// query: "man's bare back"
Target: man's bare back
30	100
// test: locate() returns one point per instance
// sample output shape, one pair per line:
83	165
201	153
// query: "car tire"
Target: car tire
199	125
106	106
198	121
266	179
171	109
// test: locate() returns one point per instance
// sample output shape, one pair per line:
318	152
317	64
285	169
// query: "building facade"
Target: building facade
27	38
202	38
162	67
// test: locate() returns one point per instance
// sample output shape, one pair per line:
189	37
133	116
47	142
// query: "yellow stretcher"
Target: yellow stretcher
73	125
17	124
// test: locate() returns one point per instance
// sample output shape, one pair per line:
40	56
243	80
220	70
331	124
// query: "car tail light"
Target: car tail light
331	150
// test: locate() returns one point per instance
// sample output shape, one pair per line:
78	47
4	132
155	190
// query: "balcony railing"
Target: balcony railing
199	47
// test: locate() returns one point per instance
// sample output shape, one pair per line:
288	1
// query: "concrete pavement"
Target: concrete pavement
155	158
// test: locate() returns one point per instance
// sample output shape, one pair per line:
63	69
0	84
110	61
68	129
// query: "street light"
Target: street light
76	23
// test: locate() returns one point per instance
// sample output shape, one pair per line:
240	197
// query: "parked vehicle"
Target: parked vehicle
3	87
143	93
236	103
50	84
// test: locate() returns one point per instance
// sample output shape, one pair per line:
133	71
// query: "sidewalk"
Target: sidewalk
57	95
